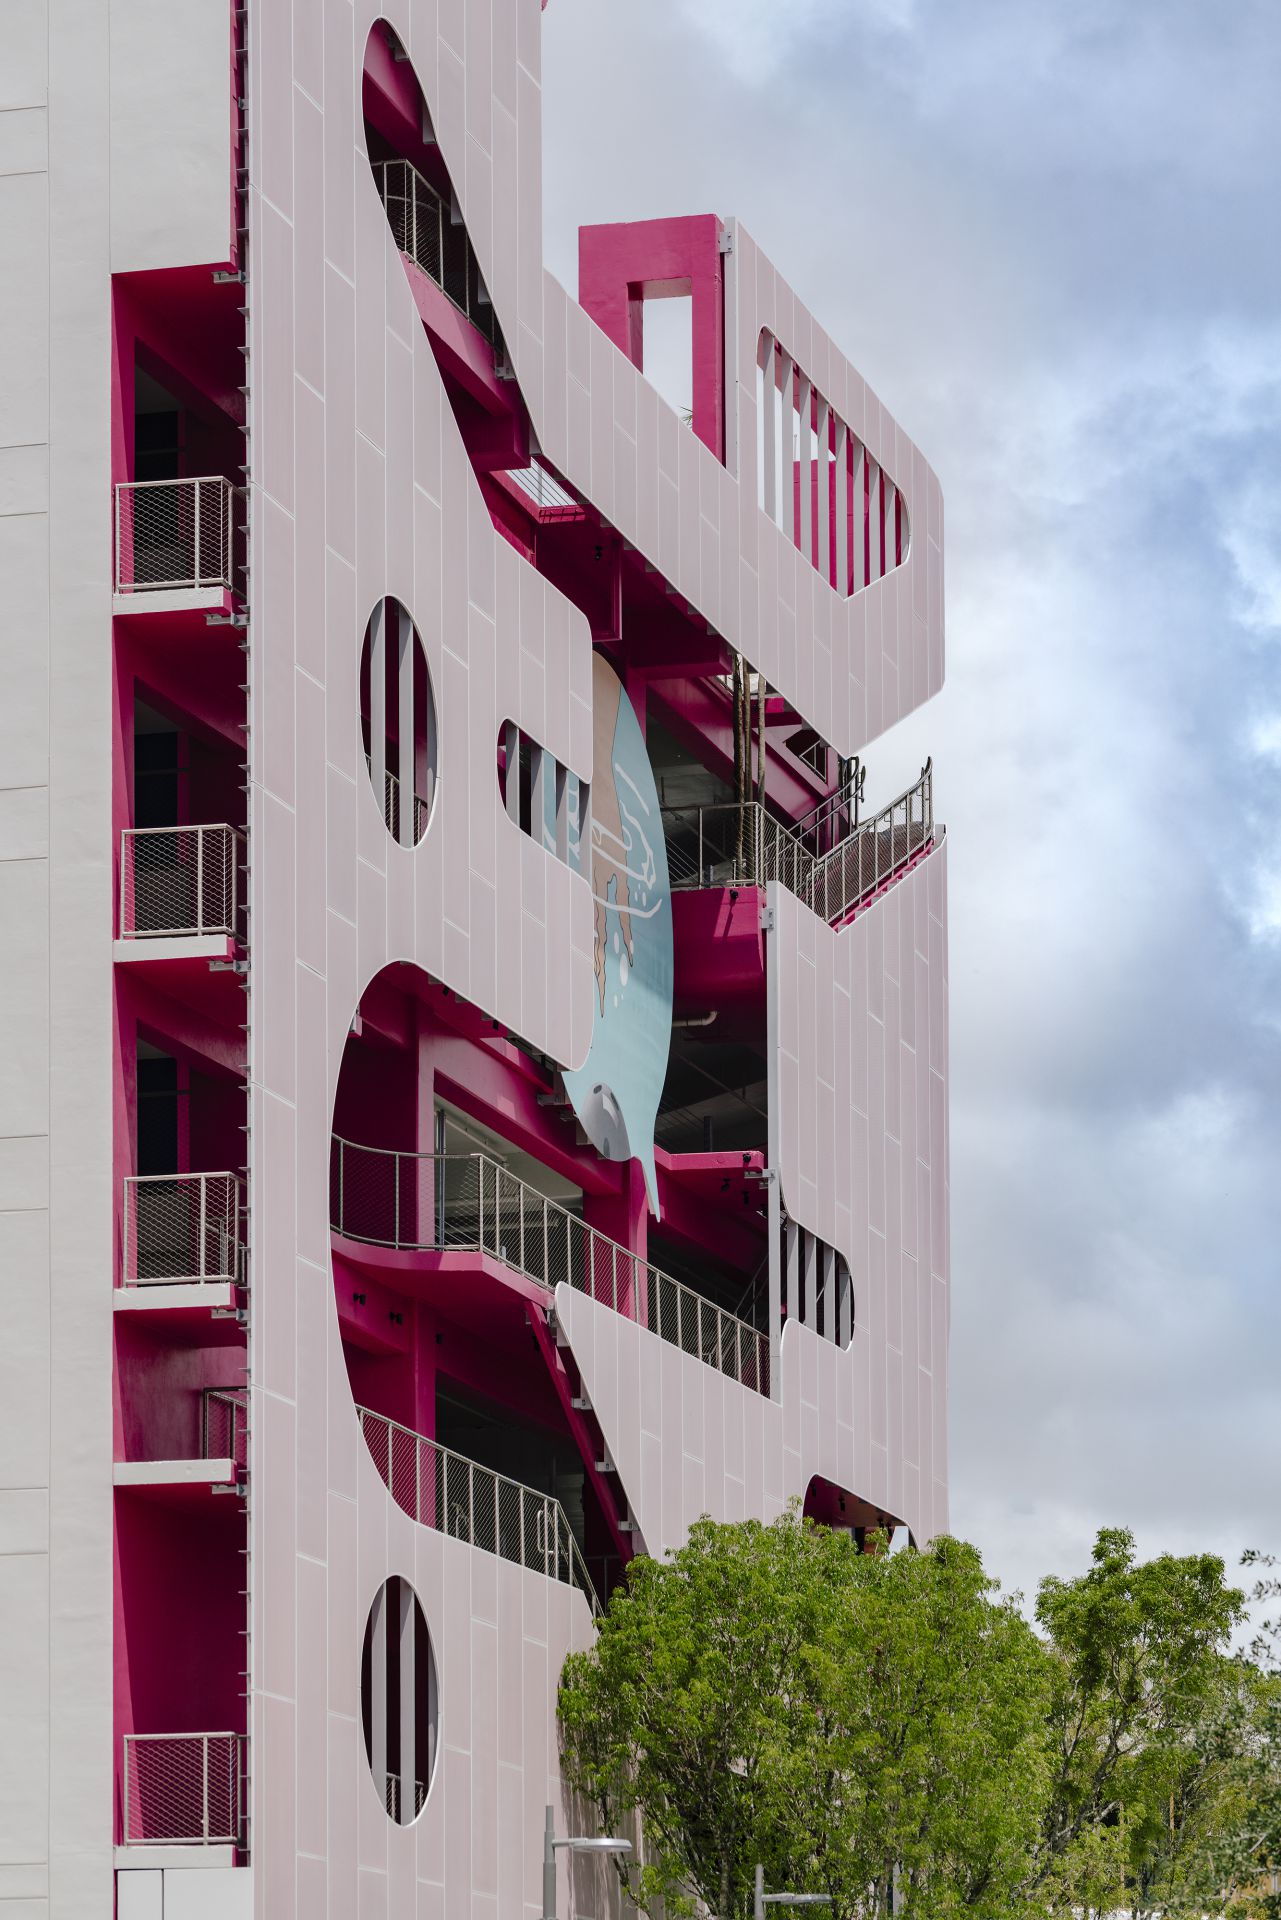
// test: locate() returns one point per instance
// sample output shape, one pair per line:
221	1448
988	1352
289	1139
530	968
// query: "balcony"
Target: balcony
182	883
183	1229
194	1480
175	538
466	1202
454	1495
184	1789
830	861
425	229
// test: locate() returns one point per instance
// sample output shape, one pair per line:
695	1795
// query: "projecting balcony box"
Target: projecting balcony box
183	1253
184	1805
176	546
220	1467
183	909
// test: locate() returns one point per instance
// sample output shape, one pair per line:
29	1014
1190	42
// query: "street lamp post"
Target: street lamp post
575	1843
764	1899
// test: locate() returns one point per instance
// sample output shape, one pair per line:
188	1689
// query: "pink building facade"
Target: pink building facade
476	1091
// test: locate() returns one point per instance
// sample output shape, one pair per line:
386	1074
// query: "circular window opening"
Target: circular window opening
398	721
398	1700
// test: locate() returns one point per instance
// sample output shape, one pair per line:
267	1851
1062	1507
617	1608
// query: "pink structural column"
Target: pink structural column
621	266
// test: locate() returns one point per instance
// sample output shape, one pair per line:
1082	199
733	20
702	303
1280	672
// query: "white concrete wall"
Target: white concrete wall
24	968
171	133
115	145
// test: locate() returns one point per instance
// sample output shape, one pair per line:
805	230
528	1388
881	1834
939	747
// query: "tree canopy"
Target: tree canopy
887	1730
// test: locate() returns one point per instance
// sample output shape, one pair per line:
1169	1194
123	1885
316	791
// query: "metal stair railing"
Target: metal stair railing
176	881
458	1496
423	227
870	856
174	535
468	1202
180	1227
393	1796
184	1789
391	803
704	848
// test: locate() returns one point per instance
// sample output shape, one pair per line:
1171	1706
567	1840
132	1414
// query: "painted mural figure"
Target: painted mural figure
616	1091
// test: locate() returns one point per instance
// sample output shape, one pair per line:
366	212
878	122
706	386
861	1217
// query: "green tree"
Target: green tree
1246	1850
1145	1721
857	1722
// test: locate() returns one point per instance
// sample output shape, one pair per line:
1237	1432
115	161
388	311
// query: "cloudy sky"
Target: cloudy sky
1047	232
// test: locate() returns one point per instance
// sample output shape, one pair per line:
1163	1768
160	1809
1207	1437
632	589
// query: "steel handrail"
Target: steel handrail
211	493
164	1794
210	1218
233	1403
423	227
565	1543
535	1236
227	922
831	882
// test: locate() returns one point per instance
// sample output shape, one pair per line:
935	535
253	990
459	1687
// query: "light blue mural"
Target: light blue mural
616	1092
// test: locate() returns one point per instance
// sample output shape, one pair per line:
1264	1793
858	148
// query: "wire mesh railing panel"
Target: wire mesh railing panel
224	1424
473	1503
392	1797
174	535
423	226
470	1203
183	1227
182	880
728	845
184	1788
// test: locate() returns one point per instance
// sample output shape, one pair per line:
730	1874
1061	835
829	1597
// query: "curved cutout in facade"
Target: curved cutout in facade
399	1701
542	797
818	482
398	721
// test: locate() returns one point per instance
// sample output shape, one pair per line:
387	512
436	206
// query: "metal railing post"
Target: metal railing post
200	879
204	1784
203	1227
196	522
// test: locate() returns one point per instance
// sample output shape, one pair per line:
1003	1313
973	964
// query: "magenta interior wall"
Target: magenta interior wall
158	1391
179	1651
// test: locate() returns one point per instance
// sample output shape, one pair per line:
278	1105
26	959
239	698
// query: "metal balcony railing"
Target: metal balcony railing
184	1789
173	535
224	1424
393	1797
183	1227
182	880
467	1201
423	226
391	803
455	1495
726	845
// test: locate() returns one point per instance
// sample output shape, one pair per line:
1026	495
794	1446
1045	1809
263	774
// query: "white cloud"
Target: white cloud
1252	538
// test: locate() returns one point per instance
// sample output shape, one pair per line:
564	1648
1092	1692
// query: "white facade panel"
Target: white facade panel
171	133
